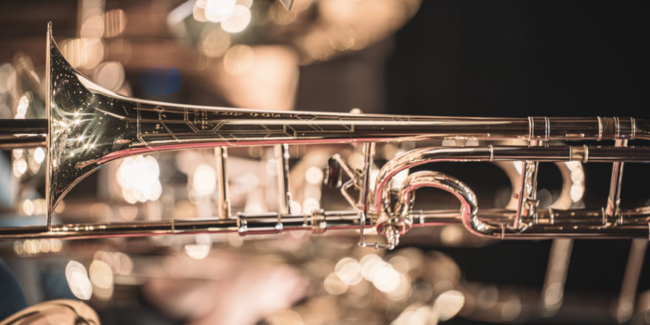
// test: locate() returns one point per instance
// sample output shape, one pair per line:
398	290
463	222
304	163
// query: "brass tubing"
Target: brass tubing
540	230
243	224
268	223
614	198
223	195
565	218
284	192
23	126
21	141
390	126
423	156
365	193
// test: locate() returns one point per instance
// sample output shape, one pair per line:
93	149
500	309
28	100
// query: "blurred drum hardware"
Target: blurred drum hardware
89	127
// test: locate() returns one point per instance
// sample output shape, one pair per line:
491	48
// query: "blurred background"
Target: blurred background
464	58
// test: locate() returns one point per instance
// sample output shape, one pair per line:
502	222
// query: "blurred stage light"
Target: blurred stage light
78	280
238	20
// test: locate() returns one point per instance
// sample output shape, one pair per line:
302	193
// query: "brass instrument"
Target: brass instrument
61	311
89	127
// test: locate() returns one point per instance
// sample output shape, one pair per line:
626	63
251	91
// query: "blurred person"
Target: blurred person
224	289
12	298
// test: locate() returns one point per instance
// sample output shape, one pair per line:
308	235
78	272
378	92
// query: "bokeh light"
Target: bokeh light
6	81
448	304
334	285
239	60
19	167
118	262
310	204
23	105
417	314
214	42
218	10
115	22
577	190
93	26
204	180
139	178
238	20
110	75
201	249
39	155
349	271
83	52
101	274
577	179
314	175
28	207
78	280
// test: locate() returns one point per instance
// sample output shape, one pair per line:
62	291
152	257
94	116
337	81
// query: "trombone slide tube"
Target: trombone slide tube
317	222
28	127
269	223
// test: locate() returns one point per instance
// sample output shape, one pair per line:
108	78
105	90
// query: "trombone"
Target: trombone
88	127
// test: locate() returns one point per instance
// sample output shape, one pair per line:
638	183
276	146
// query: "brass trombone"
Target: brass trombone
89	127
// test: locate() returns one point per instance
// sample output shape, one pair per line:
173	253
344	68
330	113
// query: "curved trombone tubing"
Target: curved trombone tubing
548	224
89	127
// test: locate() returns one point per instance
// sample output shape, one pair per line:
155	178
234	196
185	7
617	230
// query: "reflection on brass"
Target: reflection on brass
62	311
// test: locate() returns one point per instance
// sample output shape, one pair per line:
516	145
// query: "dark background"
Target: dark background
525	58
515	58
